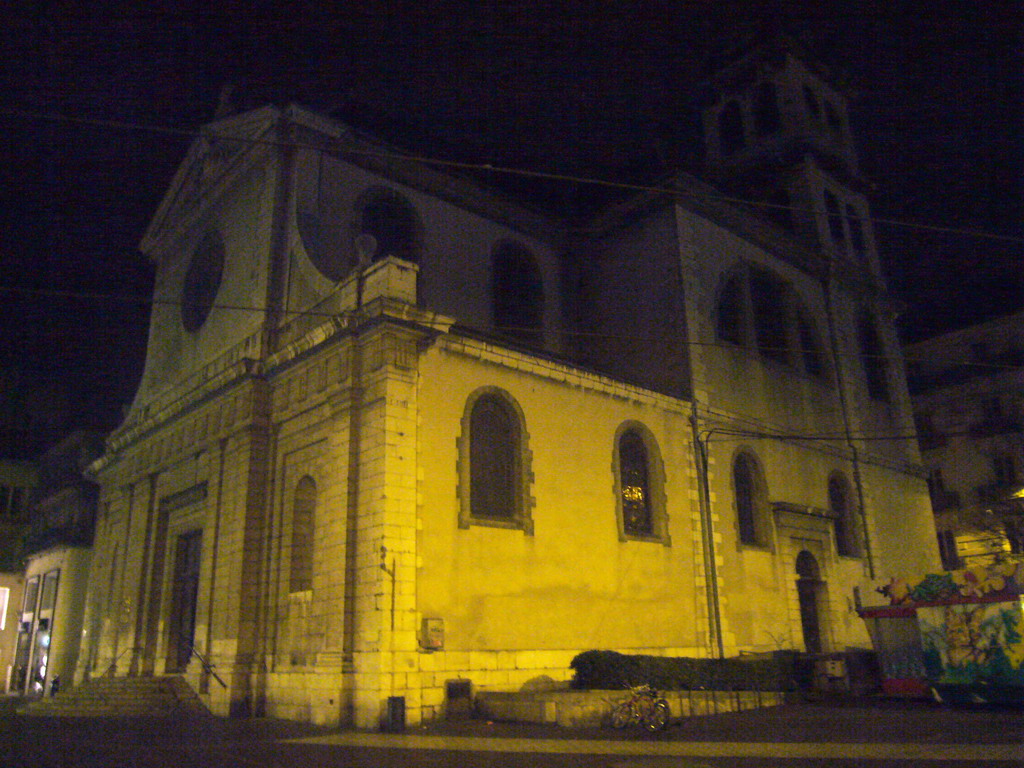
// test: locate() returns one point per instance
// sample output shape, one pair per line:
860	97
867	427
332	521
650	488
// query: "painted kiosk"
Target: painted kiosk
957	635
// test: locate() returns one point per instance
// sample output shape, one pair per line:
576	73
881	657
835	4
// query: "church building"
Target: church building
398	434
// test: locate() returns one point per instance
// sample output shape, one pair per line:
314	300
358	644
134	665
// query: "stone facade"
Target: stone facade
397	435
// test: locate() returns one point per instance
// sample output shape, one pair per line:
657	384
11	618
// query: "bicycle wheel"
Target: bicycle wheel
622	714
656	717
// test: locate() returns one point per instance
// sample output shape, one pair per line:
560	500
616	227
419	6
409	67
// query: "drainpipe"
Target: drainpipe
700	459
844	407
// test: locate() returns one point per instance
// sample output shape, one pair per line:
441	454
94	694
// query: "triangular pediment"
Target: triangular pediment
221	153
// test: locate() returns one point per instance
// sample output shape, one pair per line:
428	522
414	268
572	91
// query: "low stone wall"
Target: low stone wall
583	709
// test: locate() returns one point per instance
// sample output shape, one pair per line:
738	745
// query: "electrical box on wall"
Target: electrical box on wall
432	634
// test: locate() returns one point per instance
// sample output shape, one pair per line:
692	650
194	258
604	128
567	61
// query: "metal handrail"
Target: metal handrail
208	667
113	664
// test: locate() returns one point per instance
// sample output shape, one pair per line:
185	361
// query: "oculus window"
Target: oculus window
392	223
202	281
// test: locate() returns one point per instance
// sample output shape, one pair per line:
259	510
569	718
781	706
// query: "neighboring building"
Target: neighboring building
58	551
17	478
968	391
397	435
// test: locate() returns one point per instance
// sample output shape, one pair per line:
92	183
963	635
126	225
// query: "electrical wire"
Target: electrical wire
498	170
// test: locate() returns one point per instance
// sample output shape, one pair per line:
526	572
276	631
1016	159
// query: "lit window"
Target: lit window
639	485
5	597
634	489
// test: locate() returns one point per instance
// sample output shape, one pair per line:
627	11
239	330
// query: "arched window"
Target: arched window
835	219
639	485
731	134
518	293
872	358
202	281
303	527
766	109
833	119
769	299
393	224
780	208
812	103
839	503
731	312
634	488
749	493
810	346
494	463
856	226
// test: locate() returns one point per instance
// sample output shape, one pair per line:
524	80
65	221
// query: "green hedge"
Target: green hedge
757	672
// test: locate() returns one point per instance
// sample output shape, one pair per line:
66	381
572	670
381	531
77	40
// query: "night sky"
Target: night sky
97	101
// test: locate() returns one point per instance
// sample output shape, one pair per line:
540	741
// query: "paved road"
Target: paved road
872	735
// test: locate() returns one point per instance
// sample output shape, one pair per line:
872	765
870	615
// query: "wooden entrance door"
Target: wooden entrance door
184	596
808	589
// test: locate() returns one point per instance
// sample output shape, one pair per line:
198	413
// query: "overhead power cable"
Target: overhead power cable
499	170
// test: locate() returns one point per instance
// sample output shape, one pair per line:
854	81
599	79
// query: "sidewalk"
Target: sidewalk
866	729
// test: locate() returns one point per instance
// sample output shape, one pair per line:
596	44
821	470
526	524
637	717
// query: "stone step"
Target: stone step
122	696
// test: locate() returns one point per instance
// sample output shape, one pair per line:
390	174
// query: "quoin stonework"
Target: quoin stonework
397	431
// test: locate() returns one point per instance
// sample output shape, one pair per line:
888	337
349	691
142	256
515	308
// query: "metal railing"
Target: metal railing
208	667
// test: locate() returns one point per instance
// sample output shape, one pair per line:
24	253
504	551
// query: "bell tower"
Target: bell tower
777	132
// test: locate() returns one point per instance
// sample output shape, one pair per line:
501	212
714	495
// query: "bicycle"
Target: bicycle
643	707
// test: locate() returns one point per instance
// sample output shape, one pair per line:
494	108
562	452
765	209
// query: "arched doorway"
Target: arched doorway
809	588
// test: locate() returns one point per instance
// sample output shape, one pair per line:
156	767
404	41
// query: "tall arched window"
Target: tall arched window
393	224
769	299
873	358
731	134
810	345
857	243
749	494
841	506
494	463
766	109
639	485
731	312
303	528
518	293
633	484
835	219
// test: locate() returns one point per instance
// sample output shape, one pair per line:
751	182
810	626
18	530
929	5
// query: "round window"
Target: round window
202	282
